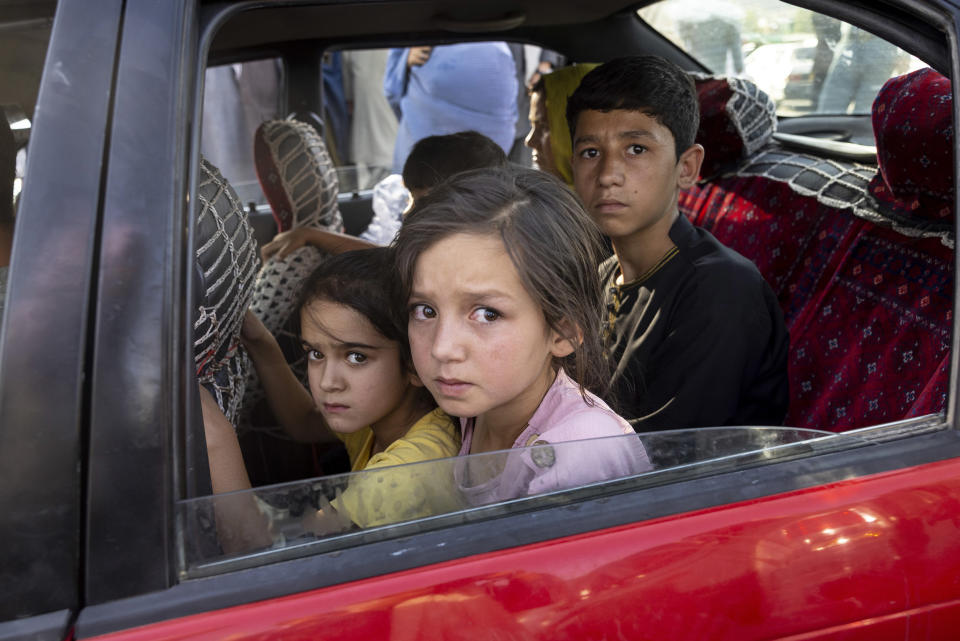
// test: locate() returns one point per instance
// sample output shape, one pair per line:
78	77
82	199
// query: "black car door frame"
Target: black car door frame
44	354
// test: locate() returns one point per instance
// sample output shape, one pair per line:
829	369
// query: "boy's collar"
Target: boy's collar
681	230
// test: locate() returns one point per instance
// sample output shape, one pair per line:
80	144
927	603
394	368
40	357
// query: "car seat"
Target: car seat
227	261
300	183
861	260
873	345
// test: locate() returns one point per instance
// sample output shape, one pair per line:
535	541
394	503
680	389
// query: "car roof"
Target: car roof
245	29
398	20
12	10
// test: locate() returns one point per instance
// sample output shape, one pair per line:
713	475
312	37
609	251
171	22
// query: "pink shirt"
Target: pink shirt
563	415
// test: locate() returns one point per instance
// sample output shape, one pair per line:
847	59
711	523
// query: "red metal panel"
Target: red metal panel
863	558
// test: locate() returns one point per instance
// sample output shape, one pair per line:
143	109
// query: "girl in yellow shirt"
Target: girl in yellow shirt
363	390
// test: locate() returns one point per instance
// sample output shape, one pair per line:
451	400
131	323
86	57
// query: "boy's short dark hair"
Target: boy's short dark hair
648	84
435	158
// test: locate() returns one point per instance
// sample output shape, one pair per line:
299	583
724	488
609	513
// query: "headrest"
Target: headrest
913	126
736	119
296	175
227	261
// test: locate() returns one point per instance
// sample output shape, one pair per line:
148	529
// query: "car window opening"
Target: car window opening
859	261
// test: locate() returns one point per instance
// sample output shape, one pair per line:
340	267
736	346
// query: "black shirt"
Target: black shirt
698	340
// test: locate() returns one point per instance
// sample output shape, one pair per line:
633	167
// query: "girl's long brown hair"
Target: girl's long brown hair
552	242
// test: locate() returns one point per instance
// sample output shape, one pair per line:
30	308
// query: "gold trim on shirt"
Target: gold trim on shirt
613	309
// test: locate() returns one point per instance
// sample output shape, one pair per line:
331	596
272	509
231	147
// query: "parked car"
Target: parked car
842	525
797	86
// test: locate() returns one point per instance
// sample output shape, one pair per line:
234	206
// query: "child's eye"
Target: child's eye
636	150
421	311
312	354
589	152
356	358
485	314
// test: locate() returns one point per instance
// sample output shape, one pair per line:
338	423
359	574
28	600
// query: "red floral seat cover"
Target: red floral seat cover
860	259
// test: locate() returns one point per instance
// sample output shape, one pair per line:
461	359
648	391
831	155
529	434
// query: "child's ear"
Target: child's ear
564	339
689	166
412	375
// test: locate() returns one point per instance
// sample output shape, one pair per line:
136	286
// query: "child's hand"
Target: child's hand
284	243
418	56
253	330
325	521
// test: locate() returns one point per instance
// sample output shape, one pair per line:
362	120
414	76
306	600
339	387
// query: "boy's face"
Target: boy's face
626	171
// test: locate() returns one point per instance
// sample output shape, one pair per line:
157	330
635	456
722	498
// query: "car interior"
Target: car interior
862	265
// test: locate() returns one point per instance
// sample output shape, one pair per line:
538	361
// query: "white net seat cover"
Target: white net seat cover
227	260
300	182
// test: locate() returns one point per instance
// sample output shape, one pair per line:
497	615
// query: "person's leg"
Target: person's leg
839	85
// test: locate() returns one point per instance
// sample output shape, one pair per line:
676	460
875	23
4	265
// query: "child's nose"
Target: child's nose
331	379
448	342
611	170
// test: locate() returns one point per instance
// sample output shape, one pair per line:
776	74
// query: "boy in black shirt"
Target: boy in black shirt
695	335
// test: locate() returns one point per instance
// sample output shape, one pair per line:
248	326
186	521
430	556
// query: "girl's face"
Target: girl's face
480	342
357	377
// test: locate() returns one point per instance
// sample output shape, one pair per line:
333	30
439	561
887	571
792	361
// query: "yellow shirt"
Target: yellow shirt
400	493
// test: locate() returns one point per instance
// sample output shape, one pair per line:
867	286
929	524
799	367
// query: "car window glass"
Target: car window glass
237	98
806	62
222	532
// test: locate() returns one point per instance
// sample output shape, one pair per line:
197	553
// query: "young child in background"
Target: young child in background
499	270
431	161
436	158
363	390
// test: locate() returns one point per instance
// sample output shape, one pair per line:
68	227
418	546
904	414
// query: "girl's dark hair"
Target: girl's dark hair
435	158
551	240
364	280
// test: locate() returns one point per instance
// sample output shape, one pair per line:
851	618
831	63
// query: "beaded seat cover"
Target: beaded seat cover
226	264
297	176
736	120
300	183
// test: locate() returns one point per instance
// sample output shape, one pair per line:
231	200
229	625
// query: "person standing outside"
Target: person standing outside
373	125
451	88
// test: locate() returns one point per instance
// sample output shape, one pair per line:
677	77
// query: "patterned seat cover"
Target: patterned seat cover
227	261
860	258
300	183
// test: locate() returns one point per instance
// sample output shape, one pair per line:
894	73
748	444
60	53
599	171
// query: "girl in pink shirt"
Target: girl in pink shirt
499	270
